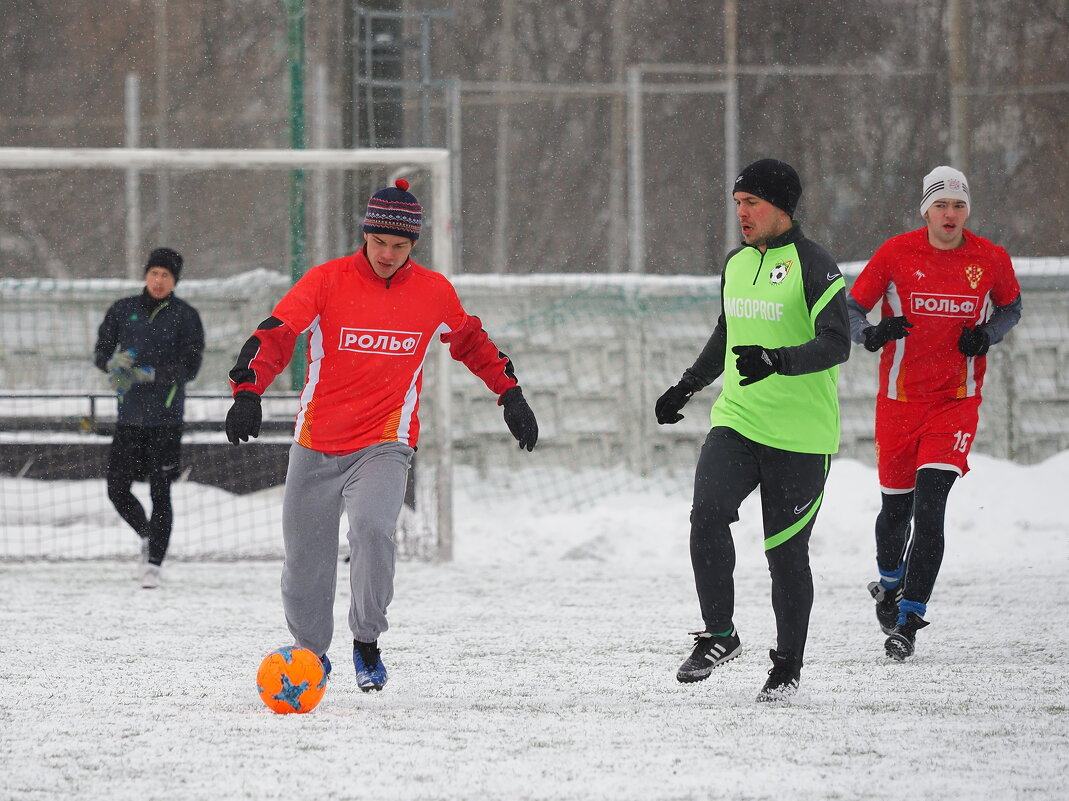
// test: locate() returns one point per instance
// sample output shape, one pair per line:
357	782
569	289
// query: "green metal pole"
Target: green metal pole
295	15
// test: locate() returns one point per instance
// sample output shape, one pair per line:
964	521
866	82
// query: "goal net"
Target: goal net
56	413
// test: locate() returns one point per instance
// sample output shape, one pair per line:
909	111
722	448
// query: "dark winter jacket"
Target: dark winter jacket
166	335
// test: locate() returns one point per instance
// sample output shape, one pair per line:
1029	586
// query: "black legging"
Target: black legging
158	529
155	454
923	552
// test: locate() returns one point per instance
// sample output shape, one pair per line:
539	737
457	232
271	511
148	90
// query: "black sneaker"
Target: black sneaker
709	652
783	678
886	605
900	645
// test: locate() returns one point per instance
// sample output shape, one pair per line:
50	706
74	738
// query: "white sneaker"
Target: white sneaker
150	577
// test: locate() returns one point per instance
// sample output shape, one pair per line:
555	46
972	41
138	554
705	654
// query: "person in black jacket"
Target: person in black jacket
782	331
150	345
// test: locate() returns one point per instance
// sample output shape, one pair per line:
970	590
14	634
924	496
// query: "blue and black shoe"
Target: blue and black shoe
326	664
886	599
370	672
901	643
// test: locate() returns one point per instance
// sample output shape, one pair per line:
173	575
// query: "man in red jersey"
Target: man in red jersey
369	319
947	296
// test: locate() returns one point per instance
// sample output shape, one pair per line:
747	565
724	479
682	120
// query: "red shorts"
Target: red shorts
912	435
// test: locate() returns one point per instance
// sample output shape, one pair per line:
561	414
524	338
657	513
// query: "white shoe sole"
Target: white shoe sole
780	694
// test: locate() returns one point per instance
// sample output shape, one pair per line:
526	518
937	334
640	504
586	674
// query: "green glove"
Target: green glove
120	381
123	378
142	375
121	360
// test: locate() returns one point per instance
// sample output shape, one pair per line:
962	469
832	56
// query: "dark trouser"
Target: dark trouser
922	554
730	467
139	453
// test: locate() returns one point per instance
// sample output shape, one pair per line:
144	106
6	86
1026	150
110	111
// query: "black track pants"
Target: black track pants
730	467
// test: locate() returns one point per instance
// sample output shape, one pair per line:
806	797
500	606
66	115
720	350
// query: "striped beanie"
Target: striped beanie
944	183
394	211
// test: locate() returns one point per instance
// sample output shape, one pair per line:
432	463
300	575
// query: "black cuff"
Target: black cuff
690	382
776	357
509	395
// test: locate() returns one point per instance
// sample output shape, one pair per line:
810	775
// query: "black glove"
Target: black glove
669	404
755	363
244	418
519	418
974	341
876	336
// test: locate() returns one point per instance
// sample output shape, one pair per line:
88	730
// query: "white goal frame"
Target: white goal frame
435	160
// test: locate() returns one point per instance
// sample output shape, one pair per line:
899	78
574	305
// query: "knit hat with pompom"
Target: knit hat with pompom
394	210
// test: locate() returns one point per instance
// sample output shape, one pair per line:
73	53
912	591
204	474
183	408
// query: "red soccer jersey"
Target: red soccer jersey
939	292
367	342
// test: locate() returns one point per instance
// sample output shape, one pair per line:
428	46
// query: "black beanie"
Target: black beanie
771	180
166	258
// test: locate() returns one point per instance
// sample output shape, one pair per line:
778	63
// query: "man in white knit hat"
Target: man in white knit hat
947	296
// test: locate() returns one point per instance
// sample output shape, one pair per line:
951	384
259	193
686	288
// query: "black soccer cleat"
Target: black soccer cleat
783	678
900	644
886	605
710	651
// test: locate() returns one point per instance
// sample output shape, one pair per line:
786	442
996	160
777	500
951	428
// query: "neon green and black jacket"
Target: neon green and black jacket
791	298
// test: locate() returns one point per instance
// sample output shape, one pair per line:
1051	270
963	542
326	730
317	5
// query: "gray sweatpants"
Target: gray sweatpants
369	487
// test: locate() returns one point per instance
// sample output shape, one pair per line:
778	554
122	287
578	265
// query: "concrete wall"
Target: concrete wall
594	355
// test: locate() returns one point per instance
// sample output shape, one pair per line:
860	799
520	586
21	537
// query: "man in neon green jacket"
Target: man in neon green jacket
775	424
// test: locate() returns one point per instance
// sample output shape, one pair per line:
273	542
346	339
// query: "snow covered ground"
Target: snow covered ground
540	665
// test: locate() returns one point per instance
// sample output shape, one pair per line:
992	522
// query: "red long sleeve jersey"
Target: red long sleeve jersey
367	343
939	292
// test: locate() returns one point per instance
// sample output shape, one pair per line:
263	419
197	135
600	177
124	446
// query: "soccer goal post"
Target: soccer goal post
439	221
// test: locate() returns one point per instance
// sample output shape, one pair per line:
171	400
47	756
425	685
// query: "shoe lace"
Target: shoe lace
703	641
779	675
911	624
369	655
781	672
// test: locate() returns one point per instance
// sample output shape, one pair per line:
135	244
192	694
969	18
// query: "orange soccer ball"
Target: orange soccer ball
291	679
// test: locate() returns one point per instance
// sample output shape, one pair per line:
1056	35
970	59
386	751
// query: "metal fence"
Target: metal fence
593	353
